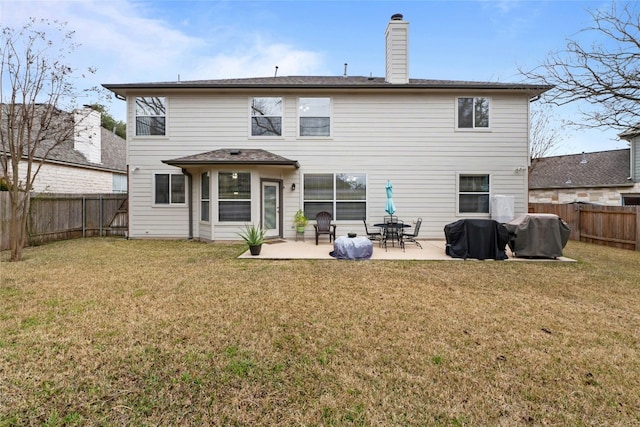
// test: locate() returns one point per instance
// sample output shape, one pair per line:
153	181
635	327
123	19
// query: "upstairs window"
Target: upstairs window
266	116
314	116
151	115
473	194
473	113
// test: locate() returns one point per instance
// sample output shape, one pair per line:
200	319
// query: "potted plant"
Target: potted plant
300	221
253	235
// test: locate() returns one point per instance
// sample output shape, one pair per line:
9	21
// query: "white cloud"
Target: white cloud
258	60
127	46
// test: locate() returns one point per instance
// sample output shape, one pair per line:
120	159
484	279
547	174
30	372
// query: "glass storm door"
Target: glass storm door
271	208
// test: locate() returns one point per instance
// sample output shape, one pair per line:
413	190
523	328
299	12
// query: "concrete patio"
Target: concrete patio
433	250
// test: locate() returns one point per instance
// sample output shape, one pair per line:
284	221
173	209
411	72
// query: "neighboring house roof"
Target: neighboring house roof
113	149
234	156
328	82
599	169
113	153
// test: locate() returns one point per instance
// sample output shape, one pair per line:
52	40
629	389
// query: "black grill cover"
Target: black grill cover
538	235
476	238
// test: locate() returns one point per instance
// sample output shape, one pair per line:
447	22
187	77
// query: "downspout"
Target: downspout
190	191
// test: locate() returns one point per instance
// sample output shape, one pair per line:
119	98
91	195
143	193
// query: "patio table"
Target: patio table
391	225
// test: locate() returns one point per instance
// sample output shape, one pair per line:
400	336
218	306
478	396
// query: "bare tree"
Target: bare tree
606	73
36	80
543	134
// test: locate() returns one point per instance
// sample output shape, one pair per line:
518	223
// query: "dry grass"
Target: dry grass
116	332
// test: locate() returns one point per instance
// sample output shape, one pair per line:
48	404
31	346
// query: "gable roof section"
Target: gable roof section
113	153
599	169
233	156
326	82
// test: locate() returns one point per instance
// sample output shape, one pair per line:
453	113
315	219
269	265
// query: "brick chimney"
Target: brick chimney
397	50
87	138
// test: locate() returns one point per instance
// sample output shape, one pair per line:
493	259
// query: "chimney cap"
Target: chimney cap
396	17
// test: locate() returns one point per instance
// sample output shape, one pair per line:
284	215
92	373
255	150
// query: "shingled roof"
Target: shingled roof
598	169
113	153
326	82
234	156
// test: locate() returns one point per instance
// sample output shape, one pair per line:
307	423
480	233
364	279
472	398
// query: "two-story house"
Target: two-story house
207	157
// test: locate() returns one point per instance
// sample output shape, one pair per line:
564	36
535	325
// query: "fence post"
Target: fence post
578	220
637	228
100	215
84	216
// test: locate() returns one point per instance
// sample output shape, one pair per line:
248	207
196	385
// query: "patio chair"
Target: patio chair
373	235
390	219
411	237
393	232
323	226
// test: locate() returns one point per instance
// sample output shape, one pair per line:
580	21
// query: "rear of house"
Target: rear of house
207	157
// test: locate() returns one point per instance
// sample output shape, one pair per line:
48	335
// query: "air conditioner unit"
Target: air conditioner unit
502	208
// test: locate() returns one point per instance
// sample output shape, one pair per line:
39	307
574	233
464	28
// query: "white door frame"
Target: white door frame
270	220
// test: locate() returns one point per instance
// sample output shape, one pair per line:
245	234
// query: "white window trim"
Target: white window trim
298	116
153	190
473	214
166	118
282	117
472	129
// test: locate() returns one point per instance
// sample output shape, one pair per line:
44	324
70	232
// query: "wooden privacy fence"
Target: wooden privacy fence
68	216
617	226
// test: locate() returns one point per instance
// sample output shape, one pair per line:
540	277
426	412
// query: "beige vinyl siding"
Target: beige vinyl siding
410	139
635	161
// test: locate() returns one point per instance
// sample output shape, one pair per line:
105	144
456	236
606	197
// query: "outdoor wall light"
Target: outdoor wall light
293	187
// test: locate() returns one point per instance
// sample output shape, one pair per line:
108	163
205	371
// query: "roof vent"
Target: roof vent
396	17
234	152
584	160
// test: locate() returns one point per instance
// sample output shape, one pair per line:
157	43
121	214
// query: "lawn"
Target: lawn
116	332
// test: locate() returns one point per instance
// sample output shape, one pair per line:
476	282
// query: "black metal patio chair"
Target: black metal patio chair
411	237
373	235
393	232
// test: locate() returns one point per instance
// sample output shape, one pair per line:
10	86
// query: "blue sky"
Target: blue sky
141	41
